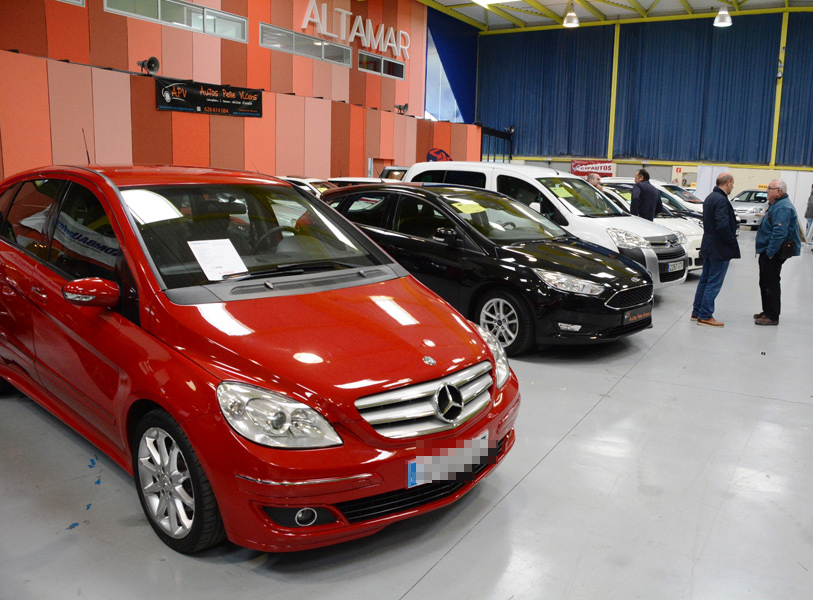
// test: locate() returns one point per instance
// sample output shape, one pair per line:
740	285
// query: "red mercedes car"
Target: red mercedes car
265	372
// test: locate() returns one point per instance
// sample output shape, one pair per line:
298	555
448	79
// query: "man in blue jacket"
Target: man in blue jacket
718	247
779	224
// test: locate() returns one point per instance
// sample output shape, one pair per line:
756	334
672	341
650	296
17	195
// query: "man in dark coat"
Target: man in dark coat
646	200
718	247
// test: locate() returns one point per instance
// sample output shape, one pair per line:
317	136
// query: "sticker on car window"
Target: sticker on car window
561	191
468	208
217	258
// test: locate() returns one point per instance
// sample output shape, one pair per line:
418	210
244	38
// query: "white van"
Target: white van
574	204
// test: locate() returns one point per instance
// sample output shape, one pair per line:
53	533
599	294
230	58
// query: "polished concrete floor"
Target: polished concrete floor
674	464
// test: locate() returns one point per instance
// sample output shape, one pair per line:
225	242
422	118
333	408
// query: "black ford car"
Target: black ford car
503	265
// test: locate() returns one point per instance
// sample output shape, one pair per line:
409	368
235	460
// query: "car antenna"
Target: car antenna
87	152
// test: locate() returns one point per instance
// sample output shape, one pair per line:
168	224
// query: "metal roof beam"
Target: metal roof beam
508	16
592	9
545	10
637	7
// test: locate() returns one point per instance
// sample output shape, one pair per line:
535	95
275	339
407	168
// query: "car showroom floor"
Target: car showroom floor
673	464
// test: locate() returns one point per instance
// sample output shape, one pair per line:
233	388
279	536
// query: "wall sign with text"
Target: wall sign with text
208	99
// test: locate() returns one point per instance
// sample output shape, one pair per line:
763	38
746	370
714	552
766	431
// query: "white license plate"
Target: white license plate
447	463
675	266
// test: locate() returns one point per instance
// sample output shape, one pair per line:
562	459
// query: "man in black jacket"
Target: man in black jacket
718	247
646	200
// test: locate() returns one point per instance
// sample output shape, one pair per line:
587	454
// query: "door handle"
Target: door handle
39	294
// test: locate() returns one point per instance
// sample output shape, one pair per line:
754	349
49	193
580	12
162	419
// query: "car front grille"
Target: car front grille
374	507
667	277
671	255
629	329
631	297
411	411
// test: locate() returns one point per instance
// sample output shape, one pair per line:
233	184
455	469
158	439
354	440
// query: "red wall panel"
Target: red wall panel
423	139
152	128
386	130
176	48
372	138
258	60
26	126
358	155
226	142
23	27
111	117
234	63
68	31
108	37
317	152
442	136
190	139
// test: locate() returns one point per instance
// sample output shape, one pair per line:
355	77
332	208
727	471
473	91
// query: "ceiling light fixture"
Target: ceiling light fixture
571	20
723	19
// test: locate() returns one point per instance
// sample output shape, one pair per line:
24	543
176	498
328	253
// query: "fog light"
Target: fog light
305	517
569	327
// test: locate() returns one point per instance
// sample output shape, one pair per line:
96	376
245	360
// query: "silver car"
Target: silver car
750	206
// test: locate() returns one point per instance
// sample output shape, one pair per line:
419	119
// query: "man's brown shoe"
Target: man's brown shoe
759	315
694	317
765	321
711	322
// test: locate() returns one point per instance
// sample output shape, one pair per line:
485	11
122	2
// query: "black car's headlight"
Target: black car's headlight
272	419
502	370
568	283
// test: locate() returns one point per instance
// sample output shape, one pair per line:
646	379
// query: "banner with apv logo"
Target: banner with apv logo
205	98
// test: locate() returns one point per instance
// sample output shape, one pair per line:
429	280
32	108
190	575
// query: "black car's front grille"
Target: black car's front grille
629	329
631	297
374	507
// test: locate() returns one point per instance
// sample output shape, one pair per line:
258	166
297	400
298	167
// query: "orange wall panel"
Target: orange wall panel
111	117
373	131
322	79
290	131
70	93
416	66
317	152
340	84
206	58
282	72
339	139
423	139
68	31
190	139
108	37
442	135
152	128
226	142
25	126
258	60
234	63
358	153
386	131
176	48
23	27
143	41
261	139
303	76
399	134
411	143
474	143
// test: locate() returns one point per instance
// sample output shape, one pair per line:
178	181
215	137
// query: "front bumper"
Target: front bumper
749	220
662	264
354	490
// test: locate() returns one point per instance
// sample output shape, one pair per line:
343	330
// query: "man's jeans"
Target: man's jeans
711	280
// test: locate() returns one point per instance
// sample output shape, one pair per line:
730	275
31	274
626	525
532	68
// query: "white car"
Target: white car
750	206
684	194
343	181
312	185
573	204
689	232
683	208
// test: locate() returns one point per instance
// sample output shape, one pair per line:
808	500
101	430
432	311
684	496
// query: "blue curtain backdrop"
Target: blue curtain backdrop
553	86
690	91
795	144
456	45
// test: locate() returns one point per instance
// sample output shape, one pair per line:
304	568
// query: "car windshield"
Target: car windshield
581	195
624	197
755	197
670	203
683	194
198	234
502	220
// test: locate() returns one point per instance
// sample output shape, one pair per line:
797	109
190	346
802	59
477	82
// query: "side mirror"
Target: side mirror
445	235
92	291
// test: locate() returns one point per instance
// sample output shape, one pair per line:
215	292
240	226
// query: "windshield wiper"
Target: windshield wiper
289	269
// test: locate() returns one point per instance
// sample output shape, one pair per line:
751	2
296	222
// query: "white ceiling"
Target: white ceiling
523	14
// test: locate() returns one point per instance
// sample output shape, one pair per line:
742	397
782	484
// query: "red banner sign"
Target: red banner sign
584	167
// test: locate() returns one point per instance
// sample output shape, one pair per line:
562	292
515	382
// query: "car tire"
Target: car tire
508	318
174	491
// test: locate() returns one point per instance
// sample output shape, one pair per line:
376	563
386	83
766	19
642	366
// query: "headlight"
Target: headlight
272	419
568	283
627	239
681	238
503	370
